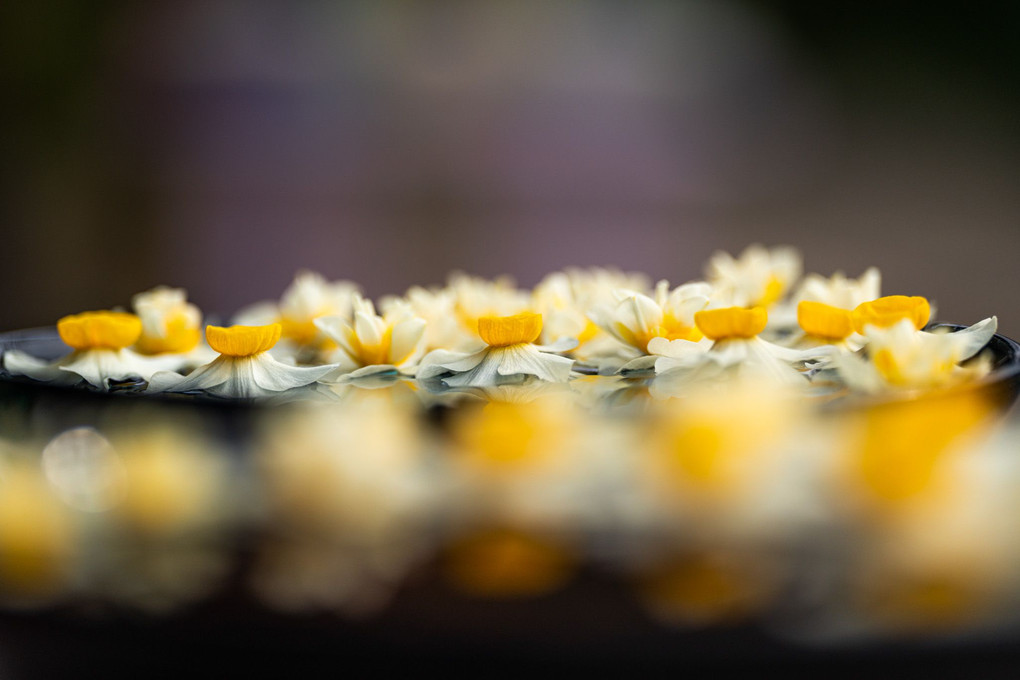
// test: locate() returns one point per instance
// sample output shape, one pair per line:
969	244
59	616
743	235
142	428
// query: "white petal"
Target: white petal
440	361
528	360
407	341
18	363
559	345
369	329
728	352
973	339
792	355
269	374
99	365
761	360
484	374
339	331
677	349
204	377
858	373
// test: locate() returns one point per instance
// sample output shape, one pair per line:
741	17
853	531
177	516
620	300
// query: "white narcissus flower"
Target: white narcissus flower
244	367
758	278
836	291
170	324
903	357
564	298
636	319
308	297
840	291
374	343
736	350
100	341
475	298
509	357
443	330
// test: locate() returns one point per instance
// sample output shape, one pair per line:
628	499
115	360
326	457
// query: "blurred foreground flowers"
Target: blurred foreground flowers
709	509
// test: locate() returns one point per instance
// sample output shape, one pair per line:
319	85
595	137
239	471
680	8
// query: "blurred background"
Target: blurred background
221	145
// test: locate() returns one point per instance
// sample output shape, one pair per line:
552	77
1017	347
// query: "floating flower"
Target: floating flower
903	357
170	324
475	298
374	343
636	319
835	291
309	297
100	341
443	328
840	291
244	368
510	355
735	348
758	278
564	298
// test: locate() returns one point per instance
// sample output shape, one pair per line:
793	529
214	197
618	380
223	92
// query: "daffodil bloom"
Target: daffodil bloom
758	278
244	367
509	356
309	297
840	291
100	341
563	299
443	327
170	324
903	357
475	298
835	291
736	348
562	316
636	319
375	343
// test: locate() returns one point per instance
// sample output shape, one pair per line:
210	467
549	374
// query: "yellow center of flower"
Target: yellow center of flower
824	321
590	331
242	341
890	310
100	330
731	322
670	328
502	331
374	354
181	336
774	290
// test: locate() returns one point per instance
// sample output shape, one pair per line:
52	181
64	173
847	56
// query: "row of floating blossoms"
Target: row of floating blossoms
752	316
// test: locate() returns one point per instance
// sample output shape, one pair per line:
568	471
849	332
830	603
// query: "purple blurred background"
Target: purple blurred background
221	146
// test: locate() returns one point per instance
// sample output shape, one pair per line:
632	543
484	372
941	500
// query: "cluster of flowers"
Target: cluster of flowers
711	509
752	315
